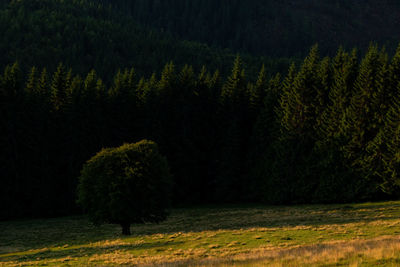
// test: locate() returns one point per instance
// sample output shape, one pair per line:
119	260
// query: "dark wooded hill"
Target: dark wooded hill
86	35
272	27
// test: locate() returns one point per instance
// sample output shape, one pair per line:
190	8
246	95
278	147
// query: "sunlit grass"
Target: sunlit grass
246	236
381	251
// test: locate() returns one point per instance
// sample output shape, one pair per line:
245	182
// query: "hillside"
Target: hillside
333	235
211	132
106	35
85	36
270	27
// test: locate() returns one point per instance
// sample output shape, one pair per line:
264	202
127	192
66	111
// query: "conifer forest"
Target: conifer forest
299	112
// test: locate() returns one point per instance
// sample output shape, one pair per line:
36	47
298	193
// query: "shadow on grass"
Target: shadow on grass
204	219
84	251
77	231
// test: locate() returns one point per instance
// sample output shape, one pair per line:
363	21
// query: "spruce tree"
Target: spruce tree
266	132
59	87
361	119
383	150
234	90
31	84
299	98
343	72
258	91
322	87
234	118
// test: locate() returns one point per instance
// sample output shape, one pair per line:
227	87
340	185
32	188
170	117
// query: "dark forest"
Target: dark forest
242	116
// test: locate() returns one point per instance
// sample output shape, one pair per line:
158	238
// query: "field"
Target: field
318	235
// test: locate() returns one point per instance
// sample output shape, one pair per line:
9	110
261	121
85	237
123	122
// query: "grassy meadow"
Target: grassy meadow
318	235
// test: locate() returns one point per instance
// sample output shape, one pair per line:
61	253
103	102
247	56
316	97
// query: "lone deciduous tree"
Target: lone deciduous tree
126	185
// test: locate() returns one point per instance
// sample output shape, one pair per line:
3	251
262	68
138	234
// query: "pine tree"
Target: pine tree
266	131
235	132
42	85
12	81
31	84
168	79
322	88
361	120
299	99
343	71
381	96
234	89
59	87
383	150
258	91
90	86
284	111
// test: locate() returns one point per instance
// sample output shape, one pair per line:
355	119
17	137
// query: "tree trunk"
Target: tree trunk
126	228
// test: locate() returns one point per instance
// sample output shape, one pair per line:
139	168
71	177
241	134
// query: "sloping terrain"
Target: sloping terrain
85	35
270	27
293	236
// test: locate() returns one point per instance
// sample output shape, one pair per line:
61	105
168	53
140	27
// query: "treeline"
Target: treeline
269	27
328	131
86	35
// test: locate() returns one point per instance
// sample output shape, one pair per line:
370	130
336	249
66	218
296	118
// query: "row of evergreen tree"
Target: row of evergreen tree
328	131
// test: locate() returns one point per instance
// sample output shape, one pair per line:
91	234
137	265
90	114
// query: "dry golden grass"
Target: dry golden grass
383	250
319	235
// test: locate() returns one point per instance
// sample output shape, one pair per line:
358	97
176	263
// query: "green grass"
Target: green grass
357	234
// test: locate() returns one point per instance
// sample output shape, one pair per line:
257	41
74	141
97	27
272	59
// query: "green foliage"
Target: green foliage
302	97
327	131
363	119
124	185
343	71
87	35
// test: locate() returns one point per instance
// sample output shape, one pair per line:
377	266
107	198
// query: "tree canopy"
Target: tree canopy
125	185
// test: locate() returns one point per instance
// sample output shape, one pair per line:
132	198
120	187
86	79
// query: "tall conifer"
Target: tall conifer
59	87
